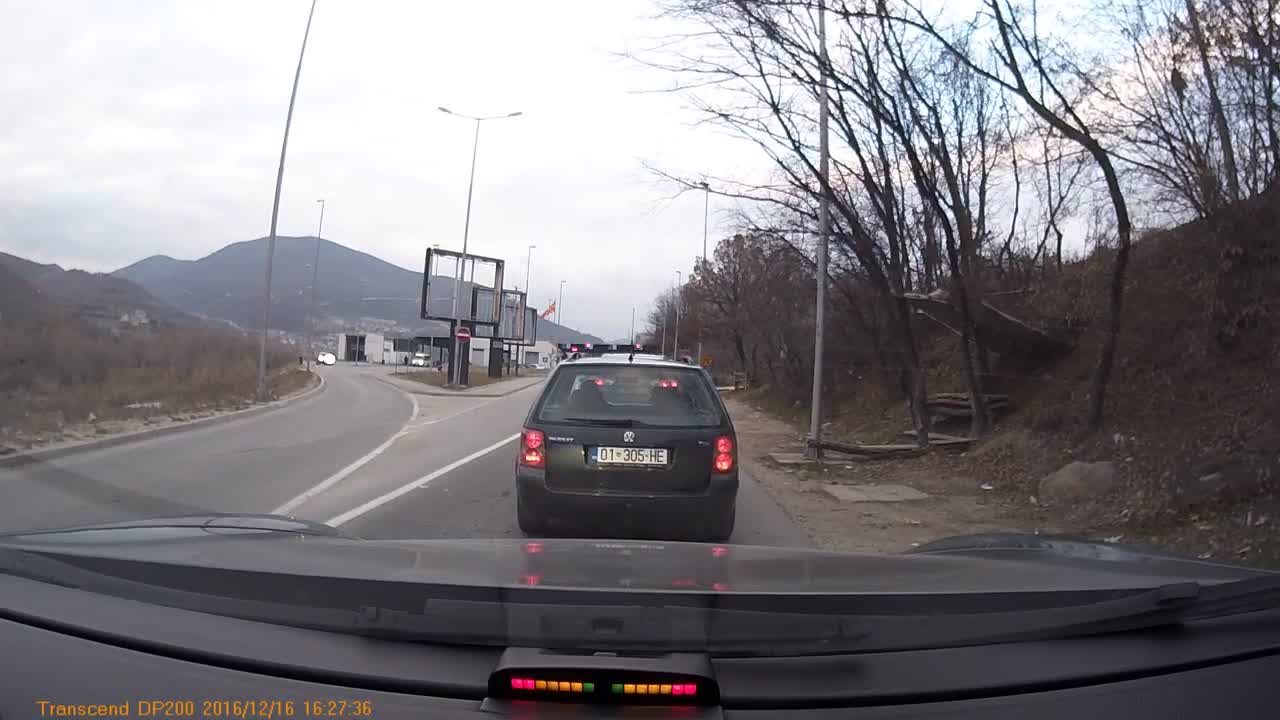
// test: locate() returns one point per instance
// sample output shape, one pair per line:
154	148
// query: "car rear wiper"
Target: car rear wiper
607	422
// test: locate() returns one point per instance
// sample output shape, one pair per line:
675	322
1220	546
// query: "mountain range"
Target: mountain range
356	291
34	290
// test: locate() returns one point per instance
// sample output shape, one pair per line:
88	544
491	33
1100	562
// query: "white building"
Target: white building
542	352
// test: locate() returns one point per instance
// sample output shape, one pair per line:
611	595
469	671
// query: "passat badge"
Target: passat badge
628	436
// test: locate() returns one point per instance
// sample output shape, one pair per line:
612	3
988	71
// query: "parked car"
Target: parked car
420	360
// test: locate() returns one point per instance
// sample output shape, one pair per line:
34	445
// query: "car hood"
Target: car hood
277	544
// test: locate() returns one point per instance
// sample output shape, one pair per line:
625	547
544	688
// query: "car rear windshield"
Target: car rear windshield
639	394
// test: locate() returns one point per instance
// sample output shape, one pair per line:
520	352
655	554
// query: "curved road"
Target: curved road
361	454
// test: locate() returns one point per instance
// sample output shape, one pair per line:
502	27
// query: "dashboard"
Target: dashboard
71	653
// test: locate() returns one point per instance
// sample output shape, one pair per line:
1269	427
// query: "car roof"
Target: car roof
639	361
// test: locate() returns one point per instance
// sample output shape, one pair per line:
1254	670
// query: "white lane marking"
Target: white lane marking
378	502
477	406
342	474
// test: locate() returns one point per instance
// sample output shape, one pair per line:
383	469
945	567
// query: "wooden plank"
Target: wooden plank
870	450
965	396
941	437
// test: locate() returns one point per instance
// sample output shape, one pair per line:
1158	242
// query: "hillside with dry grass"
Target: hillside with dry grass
60	370
1193	429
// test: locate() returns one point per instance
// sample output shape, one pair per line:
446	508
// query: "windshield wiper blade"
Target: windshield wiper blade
1161	606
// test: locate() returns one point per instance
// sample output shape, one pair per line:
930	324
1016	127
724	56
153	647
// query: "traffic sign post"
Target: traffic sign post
706	361
459	362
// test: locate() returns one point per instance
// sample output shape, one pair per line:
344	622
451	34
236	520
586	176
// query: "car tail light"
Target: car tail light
599	382
669	383
533	449
724	454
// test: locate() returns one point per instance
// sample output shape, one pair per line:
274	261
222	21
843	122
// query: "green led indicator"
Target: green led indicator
588	687
617	688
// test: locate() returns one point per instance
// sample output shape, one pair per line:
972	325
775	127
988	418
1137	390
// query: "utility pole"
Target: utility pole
560	305
824	229
706	214
528	271
675	341
664	330
262	392
633	325
315	274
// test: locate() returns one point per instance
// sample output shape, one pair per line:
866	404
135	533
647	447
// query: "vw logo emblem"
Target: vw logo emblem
628	436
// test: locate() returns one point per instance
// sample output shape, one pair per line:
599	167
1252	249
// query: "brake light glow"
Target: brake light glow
533	451
719	551
723	462
668	383
533	548
599	382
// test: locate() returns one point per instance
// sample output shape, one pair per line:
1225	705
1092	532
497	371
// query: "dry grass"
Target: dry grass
479	377
67	372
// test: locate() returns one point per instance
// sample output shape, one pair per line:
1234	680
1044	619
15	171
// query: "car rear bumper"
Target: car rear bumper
614	513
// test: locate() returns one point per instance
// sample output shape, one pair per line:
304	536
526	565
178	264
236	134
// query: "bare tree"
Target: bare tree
1017	60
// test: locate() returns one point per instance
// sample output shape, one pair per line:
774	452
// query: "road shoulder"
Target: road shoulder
954	504
158	427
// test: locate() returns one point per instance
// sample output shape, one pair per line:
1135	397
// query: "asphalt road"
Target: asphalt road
362	454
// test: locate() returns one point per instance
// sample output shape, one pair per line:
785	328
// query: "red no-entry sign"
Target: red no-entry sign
463	334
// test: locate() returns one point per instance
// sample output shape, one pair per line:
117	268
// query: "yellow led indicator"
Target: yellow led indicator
577	687
653	689
629	689
541	684
642	689
564	686
665	689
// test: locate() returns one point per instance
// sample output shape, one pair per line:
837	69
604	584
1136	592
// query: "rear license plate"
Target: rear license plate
629	456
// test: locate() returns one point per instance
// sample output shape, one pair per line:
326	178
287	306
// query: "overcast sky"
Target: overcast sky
137	127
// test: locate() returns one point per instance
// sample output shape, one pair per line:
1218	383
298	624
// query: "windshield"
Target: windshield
854	279
658	396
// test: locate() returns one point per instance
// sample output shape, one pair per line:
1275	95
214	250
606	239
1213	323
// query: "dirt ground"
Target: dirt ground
956	504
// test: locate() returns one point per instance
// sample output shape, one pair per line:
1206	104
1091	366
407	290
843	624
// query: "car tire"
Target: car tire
530	524
721	529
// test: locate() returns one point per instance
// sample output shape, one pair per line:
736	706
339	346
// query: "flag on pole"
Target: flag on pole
550	309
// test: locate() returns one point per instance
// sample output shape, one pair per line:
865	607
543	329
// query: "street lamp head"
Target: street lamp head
517	113
444	109
704	185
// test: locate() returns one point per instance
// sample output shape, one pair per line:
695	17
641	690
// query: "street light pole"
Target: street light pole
675	341
466	231
315	274
261	390
824	229
633	325
560	305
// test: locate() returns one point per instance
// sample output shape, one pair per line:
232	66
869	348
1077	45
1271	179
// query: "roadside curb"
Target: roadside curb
406	387
77	446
